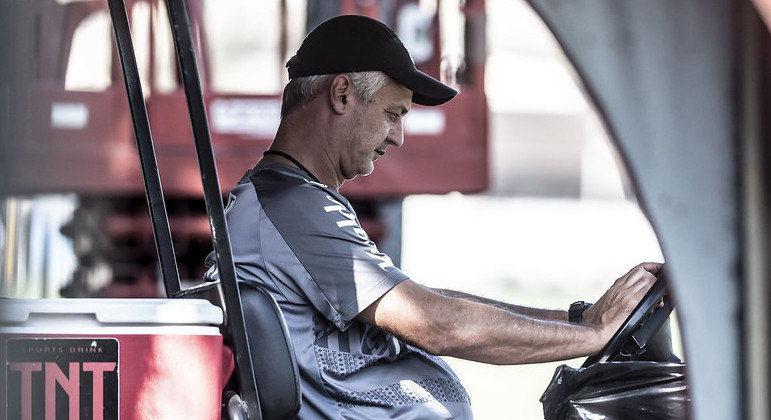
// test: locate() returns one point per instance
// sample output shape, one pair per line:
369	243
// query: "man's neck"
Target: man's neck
305	142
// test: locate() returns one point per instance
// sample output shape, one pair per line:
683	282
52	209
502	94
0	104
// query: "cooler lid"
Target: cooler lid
114	311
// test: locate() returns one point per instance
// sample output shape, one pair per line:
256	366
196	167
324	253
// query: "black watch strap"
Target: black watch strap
576	311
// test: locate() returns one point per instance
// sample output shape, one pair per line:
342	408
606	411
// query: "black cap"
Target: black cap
353	43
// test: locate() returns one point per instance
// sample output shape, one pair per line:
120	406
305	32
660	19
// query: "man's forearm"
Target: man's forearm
544	314
464	328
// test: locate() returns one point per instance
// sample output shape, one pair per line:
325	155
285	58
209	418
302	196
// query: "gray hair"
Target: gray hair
300	90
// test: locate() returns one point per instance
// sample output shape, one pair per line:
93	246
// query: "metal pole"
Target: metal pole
152	180
183	41
753	84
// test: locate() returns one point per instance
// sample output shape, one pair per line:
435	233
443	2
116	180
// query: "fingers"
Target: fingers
644	270
640	270
615	305
652	267
641	282
635	285
628	290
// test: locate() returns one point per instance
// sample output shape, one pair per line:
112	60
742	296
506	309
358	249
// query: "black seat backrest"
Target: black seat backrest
273	357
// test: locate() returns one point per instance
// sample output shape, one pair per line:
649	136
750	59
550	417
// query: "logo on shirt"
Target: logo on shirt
359	338
348	220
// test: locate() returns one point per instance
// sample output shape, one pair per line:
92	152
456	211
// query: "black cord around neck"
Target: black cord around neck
293	160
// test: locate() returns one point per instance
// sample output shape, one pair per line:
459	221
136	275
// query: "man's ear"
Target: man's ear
341	92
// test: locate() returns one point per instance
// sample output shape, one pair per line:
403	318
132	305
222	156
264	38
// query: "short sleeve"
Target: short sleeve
345	271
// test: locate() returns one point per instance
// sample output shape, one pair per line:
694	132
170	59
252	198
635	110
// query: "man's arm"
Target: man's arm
546	314
458	327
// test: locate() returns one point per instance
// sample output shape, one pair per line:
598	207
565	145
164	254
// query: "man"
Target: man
365	335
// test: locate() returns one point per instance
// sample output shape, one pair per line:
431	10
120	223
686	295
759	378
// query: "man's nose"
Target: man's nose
396	134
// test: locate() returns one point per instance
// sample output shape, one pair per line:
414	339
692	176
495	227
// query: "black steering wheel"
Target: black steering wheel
642	331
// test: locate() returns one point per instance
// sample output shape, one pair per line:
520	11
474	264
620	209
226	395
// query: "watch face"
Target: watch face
575	313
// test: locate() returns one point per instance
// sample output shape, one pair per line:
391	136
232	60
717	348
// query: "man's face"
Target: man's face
375	126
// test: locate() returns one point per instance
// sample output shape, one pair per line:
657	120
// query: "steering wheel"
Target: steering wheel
642	328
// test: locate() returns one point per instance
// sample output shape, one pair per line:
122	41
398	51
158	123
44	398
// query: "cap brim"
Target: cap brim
425	89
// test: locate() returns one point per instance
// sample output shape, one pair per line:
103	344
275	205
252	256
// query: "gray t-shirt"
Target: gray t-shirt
303	243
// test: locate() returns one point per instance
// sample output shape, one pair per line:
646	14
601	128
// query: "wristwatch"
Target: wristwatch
576	311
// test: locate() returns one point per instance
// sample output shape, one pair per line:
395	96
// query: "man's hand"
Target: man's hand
608	313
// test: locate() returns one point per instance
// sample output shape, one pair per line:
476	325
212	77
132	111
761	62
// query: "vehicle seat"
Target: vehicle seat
273	357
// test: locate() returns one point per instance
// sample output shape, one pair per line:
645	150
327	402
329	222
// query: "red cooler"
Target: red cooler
101	359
